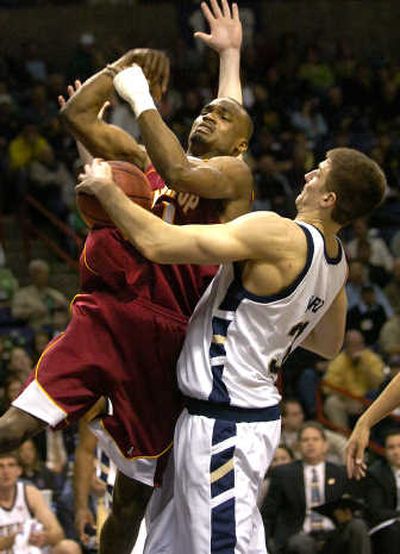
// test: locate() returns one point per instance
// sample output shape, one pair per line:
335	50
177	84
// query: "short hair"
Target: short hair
393	432
38	264
312	425
358	182
10	454
289	400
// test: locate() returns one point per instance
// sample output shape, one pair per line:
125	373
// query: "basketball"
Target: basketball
130	179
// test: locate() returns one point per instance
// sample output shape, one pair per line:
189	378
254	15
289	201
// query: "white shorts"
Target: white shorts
219	468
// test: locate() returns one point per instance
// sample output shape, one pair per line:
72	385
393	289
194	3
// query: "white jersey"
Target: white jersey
237	341
18	519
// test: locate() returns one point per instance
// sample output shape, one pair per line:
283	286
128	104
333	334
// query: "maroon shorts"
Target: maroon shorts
125	351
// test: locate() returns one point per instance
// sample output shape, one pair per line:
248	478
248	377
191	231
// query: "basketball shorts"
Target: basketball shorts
219	468
123	351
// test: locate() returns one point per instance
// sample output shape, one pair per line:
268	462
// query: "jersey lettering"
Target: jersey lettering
188	201
315	304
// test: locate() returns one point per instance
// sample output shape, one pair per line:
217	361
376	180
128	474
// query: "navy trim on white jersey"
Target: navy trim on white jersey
331	260
222	480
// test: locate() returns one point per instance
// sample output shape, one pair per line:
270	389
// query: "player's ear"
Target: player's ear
241	147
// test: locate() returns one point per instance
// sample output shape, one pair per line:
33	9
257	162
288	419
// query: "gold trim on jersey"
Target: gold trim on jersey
86	262
45	351
134	457
221	471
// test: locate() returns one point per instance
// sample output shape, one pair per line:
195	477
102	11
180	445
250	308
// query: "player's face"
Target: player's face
9	472
314	186
392	448
219	128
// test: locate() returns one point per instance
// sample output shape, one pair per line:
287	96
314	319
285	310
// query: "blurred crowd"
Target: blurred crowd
303	101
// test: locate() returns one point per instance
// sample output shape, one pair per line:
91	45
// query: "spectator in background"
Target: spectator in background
294	489
389	338
25	518
35	471
20	363
283	455
392	290
51	183
273	191
358	278
379	254
358	371
368	316
310	121
382	494
293	421
26	147
12	388
35	304
86	60
40	340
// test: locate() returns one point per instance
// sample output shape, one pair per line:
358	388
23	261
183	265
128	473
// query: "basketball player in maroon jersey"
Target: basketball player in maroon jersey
128	324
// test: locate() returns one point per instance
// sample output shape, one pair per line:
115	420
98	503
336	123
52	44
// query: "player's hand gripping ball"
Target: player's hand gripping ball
130	180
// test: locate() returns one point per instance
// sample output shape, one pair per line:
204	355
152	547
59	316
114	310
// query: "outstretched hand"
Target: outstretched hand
355	450
95	177
225	26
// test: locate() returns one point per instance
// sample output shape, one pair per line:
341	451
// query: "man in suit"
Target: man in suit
291	526
382	494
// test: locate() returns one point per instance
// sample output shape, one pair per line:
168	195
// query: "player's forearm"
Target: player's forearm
163	148
83	472
229	75
386	402
84	106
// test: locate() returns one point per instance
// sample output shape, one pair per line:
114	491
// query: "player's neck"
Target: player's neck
327	227
7	495
204	153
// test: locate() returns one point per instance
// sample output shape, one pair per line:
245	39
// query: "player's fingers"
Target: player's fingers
225	8
78	84
350	461
70	90
235	12
215	8
207	13
61	101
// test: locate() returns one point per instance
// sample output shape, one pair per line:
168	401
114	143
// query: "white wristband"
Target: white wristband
132	86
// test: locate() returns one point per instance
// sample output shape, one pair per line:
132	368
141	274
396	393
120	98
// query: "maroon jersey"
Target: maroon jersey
111	263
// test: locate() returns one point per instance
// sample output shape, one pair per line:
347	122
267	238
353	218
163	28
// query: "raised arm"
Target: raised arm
220	177
225	37
386	402
81	111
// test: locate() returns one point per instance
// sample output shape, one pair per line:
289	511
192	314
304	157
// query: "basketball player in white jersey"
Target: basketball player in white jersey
281	285
27	525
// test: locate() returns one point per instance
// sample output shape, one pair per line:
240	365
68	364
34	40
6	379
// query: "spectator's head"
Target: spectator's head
12	387
10	470
283	455
20	361
312	442
292	415
28	456
30	133
392	447
368	295
354	343
357	272
39	272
